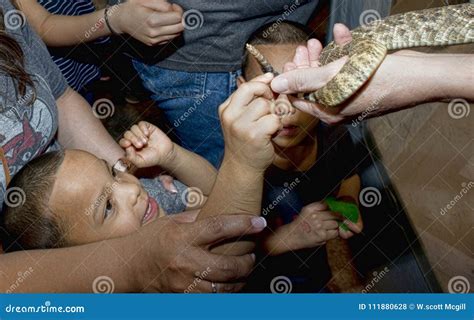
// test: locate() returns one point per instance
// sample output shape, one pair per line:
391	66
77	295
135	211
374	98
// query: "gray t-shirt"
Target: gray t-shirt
216	31
28	130
171	203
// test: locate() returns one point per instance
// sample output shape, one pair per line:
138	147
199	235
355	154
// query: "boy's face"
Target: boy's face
297	126
93	203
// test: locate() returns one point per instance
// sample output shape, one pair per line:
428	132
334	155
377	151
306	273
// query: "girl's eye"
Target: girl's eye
108	209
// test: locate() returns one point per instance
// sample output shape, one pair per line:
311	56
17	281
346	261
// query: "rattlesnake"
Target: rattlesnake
441	26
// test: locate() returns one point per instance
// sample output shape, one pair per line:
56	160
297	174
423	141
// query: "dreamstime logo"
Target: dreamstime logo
103	284
103	108
369	17
101	22
276	200
282	108
101	199
14	19
377	277
199	277
193	19
465	188
459	284
192	197
281	284
22	276
191	109
373	106
14	197
370	197
288	11
458	108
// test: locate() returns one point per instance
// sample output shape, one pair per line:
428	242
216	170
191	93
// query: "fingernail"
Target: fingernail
252	255
259	222
280	84
312	42
173	188
268	75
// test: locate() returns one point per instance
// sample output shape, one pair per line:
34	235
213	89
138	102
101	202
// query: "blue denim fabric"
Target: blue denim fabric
190	101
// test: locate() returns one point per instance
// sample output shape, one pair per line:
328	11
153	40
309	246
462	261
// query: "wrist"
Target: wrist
113	18
241	165
169	161
455	76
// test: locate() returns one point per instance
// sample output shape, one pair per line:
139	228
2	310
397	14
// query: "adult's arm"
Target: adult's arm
150	21
403	80
164	256
80	129
247	125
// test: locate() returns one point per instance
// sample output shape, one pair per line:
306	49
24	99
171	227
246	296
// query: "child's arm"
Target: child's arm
147	146
132	17
248	125
316	224
191	169
349	192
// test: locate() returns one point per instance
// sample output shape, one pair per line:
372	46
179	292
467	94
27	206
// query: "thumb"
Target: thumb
342	34
176	8
306	80
131	154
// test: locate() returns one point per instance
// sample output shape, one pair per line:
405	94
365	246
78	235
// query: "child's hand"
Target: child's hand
354	228
248	124
146	145
314	226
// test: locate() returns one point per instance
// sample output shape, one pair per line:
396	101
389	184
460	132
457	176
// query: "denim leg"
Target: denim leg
190	101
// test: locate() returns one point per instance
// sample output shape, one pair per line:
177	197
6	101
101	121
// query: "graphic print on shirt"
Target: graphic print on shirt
26	134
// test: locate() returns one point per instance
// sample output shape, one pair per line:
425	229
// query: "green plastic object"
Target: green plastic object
348	210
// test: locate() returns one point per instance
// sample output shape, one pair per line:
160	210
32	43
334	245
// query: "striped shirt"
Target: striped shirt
77	74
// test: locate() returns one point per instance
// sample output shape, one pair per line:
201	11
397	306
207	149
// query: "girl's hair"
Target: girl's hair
12	61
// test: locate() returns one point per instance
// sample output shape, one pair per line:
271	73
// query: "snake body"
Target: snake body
441	26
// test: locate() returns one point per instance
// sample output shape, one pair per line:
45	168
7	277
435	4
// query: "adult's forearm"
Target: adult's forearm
192	169
457	75
80	129
238	189
69	269
421	78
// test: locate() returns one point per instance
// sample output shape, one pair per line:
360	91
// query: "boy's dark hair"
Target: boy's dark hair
29	223
287	32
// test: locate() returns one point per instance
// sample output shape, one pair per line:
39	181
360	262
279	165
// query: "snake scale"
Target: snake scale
448	25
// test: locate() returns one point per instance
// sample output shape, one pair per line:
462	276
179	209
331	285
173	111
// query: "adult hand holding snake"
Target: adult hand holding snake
404	79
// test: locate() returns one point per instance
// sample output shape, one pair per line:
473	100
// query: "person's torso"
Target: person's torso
216	31
286	193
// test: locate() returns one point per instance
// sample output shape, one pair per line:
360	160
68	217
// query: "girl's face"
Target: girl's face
93	203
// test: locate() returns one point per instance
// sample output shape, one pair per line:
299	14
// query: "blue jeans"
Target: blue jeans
190	101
